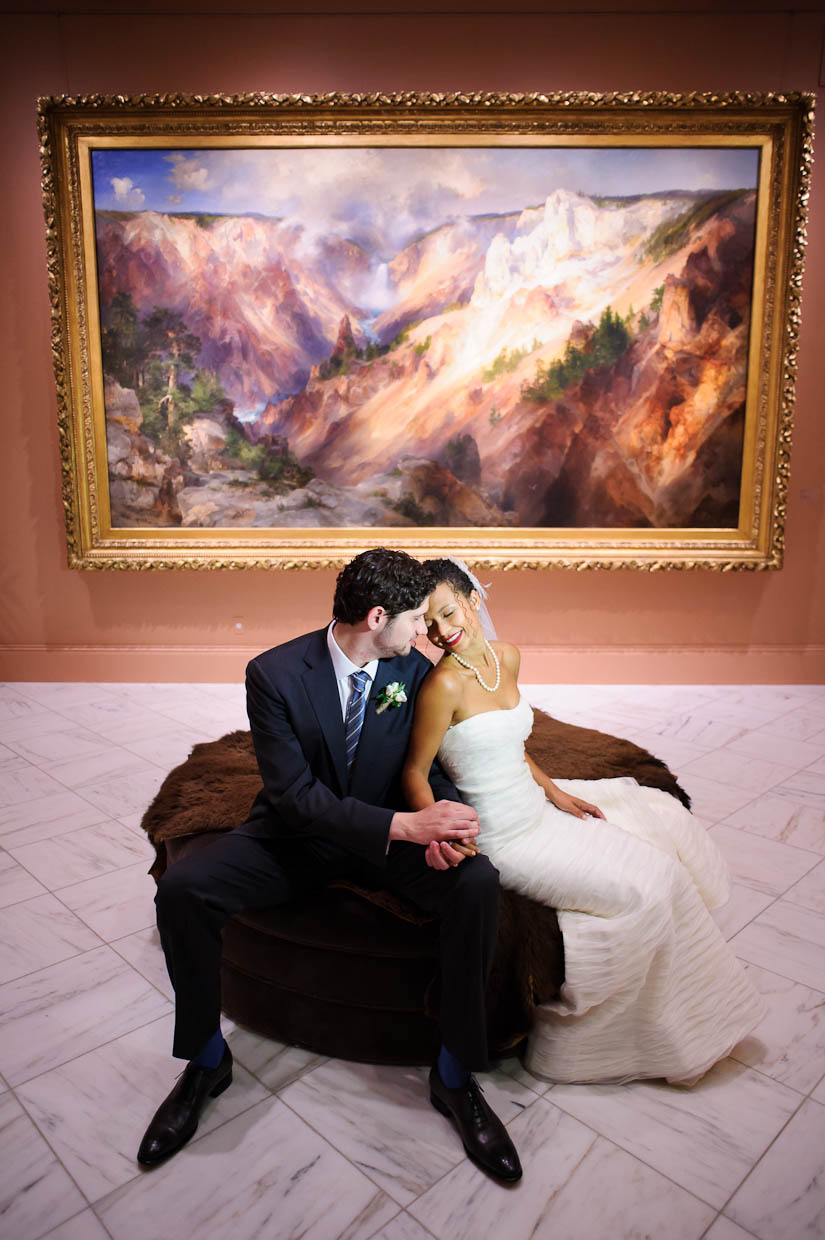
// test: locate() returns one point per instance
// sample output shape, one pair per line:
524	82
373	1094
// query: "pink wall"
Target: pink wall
178	625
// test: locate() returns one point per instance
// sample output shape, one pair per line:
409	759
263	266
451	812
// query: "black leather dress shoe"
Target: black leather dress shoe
485	1138
176	1119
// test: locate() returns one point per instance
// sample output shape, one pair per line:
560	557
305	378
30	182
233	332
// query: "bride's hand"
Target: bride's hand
576	806
442	855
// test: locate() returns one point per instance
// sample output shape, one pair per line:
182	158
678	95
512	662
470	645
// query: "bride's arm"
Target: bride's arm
434	709
562	800
511	660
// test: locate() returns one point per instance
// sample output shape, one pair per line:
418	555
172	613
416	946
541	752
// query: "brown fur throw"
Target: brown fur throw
216	785
214	789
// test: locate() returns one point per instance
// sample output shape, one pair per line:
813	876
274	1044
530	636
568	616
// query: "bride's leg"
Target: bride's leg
651	988
661	820
584	864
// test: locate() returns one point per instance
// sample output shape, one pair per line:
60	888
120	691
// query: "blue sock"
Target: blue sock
212	1053
451	1070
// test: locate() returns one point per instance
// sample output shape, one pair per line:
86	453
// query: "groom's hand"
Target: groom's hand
436	827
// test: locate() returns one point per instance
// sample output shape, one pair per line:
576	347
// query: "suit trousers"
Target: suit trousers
197	894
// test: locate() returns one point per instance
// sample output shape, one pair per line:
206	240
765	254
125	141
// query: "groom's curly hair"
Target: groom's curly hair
380	578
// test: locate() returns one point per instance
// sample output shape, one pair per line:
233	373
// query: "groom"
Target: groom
330	714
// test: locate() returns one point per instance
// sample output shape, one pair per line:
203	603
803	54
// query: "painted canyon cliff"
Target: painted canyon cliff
578	363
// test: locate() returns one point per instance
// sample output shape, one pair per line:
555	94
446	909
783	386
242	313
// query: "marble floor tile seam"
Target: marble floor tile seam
362	1168
80	791
713	1205
139	1174
83	917
166	725
754	1068
115	869
650	1166
301	1072
815	856
57	688
803	1096
597	1136
93	816
818	1086
113	944
92	1203
108	810
68	712
210	1131
365	1169
707	1234
44	1137
725	820
402	1214
734	777
108	1041
139	766
62	1226
105	1041
743	959
13	903
65	696
753	802
104	873
757	1161
90	738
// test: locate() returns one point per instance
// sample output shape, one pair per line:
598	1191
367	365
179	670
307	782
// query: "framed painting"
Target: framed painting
539	331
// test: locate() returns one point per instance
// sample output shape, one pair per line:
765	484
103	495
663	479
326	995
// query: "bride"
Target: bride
651	988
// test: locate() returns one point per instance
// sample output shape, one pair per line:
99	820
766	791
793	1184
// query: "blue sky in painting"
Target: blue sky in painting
387	196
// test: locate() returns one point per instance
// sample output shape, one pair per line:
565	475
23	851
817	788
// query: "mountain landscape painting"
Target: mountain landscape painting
408	336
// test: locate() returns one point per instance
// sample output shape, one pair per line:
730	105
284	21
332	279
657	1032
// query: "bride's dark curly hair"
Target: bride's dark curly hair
447	570
380	578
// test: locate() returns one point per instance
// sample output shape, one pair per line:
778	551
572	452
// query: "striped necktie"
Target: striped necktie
356	706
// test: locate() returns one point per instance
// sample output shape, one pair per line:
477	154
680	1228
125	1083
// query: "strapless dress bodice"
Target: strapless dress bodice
484	757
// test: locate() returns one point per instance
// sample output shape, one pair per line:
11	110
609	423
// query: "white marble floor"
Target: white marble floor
310	1147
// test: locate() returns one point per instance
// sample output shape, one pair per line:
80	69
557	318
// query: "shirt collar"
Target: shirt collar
342	665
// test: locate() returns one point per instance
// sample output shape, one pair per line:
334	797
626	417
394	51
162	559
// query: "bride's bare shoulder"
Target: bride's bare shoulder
509	655
444	681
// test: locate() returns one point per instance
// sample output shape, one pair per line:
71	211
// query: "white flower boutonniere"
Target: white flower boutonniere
391	695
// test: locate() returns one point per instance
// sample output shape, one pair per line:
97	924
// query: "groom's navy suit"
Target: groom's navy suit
312	822
298	733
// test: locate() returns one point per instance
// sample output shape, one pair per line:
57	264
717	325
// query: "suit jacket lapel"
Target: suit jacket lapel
322	689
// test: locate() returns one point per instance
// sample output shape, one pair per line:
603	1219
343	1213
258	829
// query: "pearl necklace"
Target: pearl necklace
477	673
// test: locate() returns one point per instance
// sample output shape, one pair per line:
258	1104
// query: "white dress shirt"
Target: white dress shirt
344	667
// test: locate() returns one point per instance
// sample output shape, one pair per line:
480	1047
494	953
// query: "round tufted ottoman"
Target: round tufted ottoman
335	973
354	973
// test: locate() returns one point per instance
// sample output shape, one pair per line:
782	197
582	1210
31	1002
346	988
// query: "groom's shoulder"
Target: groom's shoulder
290	655
414	664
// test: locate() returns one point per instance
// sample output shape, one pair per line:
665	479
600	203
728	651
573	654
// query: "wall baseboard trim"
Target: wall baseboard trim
710	665
539	665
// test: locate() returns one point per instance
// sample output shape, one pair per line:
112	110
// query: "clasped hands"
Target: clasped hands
446	829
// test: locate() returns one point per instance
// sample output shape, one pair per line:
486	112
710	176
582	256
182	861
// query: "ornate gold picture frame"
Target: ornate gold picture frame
536	330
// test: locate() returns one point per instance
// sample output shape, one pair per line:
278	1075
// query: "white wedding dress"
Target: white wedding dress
651	988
